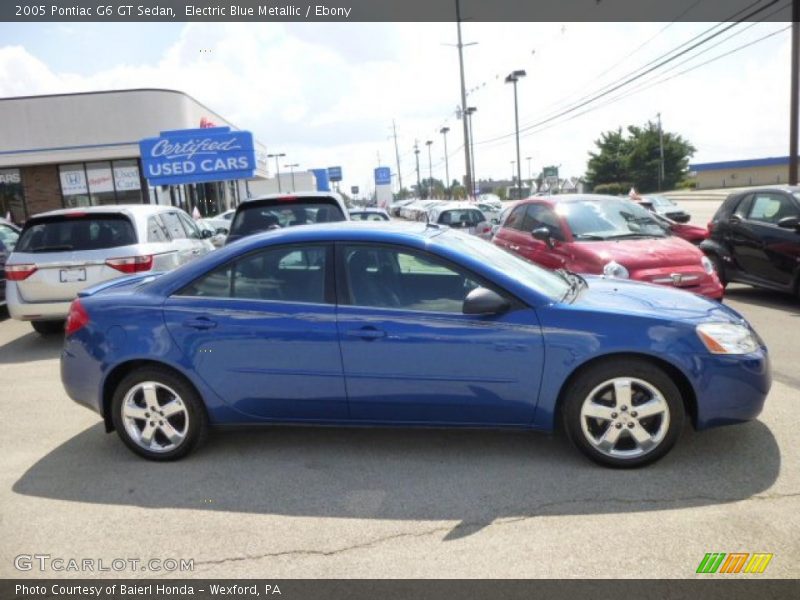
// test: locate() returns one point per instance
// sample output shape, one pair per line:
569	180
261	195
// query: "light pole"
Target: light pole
429	143
467	147
513	174
291	168
528	158
277	168
444	131
794	100
416	155
661	153
471	110
513	77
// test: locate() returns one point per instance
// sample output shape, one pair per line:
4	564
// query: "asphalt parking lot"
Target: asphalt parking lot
315	503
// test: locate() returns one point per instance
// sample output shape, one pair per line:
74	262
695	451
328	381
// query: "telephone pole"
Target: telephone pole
397	156
468	163
416	155
661	150
447	190
429	143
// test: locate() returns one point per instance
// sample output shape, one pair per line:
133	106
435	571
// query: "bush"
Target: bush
613	189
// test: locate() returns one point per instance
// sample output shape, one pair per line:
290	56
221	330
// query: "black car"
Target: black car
755	238
9	234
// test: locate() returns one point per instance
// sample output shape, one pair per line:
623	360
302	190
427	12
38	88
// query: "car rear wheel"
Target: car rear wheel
719	267
158	415
48	327
623	413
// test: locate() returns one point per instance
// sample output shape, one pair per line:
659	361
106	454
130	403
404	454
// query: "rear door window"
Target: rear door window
516	218
173	225
72	233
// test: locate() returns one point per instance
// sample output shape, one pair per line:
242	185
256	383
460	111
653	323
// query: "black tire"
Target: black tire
195	430
587	381
48	327
719	267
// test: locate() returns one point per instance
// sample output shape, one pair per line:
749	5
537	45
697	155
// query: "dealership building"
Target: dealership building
741	173
73	150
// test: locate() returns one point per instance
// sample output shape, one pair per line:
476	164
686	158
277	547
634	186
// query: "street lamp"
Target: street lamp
429	143
416	156
291	168
277	167
528	158
513	77
444	131
471	110
513	162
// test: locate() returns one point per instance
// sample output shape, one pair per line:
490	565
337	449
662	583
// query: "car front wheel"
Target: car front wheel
158	415
623	413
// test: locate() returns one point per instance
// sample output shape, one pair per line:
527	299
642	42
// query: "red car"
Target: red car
605	235
690	233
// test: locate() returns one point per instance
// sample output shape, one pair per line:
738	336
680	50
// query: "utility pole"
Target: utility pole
429	143
467	161
661	150
397	156
514	77
530	181
416	155
292	167
471	110
794	117
444	131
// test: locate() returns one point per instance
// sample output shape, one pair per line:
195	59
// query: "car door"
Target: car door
411	356
261	332
201	246
185	247
538	251
763	249
511	234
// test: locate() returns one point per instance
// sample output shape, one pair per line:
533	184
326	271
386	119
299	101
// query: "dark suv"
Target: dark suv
755	238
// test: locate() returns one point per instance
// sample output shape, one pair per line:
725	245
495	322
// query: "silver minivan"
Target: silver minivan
62	252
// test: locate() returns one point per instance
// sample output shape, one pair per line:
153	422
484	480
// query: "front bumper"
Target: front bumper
731	389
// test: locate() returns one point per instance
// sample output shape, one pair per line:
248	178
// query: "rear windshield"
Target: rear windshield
280	213
87	232
461	218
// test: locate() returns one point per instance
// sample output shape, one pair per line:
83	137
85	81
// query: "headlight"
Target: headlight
616	270
708	266
727	338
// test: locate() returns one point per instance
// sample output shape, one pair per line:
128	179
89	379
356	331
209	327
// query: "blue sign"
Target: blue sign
323	183
198	155
383	176
335	173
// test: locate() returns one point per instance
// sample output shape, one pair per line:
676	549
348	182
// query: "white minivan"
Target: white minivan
61	252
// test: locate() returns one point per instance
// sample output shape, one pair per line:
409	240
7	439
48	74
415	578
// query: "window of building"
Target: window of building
101	182
12	203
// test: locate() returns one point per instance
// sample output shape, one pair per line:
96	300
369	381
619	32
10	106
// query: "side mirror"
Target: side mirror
206	233
790	223
482	301
543	235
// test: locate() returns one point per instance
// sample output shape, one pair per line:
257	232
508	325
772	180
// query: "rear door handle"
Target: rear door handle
200	323
366	333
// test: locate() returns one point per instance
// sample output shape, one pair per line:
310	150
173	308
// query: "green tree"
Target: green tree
635	159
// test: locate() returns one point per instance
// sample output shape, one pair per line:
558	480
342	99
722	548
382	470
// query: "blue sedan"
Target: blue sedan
405	325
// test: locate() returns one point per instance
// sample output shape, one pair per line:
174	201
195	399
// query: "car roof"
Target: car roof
313	194
127	209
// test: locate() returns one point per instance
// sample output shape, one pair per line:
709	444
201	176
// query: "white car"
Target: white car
460	215
222	220
215	235
62	252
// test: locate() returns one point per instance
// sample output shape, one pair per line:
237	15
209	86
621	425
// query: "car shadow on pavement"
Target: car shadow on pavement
765	298
474	477
31	347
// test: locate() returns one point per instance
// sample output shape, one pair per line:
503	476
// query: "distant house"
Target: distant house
740	173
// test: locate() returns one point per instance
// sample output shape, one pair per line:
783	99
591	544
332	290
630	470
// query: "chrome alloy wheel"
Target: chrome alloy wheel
625	417
155	416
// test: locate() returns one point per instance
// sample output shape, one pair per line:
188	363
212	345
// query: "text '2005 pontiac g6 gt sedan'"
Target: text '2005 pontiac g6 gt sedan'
406	325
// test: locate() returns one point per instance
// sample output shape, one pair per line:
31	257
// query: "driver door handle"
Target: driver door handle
366	333
200	323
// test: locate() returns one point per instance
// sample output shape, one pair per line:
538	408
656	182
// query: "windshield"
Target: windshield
543	281
608	219
84	232
264	217
660	201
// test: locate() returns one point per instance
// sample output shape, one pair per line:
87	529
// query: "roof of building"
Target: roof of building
771	161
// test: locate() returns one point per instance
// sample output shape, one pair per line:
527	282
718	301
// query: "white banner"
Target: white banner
126	177
73	181
100	177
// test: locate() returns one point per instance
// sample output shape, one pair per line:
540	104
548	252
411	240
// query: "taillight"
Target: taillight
19	272
77	317
131	264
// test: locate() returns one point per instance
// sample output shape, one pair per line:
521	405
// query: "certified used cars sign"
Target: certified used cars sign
197	155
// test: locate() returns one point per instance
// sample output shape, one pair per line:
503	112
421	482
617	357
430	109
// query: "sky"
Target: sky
327	94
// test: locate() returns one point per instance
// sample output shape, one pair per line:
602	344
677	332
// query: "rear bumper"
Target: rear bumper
81	375
34	311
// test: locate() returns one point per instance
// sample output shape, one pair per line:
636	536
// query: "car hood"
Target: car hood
621	296
647	253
